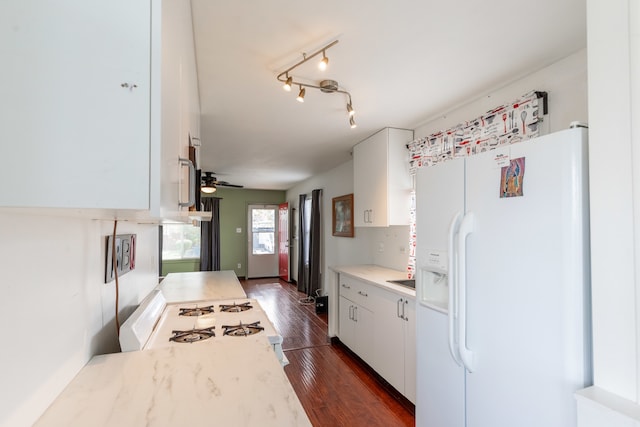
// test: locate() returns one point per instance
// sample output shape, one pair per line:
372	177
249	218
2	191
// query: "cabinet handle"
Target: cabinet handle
355	313
370	215
192	188
398	308
346	286
364	294
350	312
131	86
404	315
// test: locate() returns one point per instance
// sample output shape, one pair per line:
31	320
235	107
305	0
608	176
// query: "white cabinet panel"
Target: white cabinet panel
75	113
382	184
99	99
379	326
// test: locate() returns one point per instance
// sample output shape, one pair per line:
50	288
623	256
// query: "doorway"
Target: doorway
283	242
262	256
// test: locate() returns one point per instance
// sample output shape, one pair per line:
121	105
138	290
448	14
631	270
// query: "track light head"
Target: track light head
350	110
300	97
287	85
352	122
324	62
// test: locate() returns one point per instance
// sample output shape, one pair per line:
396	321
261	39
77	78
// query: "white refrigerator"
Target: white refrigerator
503	286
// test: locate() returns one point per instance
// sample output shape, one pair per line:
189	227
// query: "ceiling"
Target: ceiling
403	61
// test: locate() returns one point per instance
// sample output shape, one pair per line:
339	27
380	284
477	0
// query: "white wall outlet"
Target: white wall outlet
239	265
239	230
125	246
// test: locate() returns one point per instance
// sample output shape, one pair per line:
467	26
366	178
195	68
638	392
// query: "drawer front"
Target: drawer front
356	291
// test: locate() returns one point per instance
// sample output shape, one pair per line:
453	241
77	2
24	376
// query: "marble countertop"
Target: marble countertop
201	285
378	276
222	383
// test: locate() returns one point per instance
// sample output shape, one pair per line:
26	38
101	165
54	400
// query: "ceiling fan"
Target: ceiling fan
209	183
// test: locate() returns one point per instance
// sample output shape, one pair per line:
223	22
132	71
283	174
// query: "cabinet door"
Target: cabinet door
75	108
370	181
346	324
364	334
410	350
389	338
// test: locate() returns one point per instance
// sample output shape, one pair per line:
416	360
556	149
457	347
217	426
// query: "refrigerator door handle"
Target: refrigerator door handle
452	306
467	227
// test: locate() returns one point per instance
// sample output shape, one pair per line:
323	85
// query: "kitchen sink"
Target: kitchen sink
409	283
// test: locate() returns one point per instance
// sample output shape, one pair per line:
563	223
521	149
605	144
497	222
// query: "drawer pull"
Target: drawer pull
364	294
346	286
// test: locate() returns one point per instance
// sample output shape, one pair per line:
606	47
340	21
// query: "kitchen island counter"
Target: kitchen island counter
236	383
201	285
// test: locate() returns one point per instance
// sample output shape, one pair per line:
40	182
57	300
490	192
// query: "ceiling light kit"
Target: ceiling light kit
325	86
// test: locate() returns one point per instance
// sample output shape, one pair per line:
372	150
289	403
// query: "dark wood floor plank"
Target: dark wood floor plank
334	387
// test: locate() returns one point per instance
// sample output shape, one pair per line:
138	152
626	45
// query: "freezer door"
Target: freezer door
527	284
440	386
439	197
440	381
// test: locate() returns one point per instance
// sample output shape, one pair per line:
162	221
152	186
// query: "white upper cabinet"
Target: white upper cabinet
382	184
96	105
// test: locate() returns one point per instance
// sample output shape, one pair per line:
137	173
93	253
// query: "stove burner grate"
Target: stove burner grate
243	330
193	335
235	308
195	311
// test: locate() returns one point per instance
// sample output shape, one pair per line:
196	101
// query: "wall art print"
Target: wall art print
512	178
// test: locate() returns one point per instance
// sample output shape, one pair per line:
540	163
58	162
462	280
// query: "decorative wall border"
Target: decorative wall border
506	124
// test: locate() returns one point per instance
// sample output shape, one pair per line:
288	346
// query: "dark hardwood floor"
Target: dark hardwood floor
334	387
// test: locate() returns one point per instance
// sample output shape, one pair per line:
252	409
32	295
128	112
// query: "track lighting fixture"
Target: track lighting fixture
350	109
324	62
326	86
287	84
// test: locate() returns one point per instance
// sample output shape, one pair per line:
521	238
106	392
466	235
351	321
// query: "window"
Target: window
263	227
180	241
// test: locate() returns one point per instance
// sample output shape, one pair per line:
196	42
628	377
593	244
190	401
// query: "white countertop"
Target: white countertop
222	383
201	285
378	276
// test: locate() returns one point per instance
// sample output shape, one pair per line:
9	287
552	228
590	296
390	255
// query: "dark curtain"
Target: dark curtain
315	238
210	236
309	244
303	271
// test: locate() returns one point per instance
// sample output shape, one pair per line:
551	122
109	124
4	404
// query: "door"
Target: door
262	258
440	381
526	278
283	241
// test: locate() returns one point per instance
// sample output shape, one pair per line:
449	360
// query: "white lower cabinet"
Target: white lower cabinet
379	326
356	329
394	343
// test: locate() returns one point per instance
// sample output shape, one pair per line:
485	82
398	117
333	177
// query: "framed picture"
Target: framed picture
343	216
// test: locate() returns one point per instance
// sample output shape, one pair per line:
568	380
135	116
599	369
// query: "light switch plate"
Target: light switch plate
125	255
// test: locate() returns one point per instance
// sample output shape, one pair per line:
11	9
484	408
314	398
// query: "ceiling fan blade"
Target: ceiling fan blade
226	184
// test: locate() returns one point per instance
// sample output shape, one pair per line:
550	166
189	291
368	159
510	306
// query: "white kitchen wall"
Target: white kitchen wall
565	81
337	250
55	309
